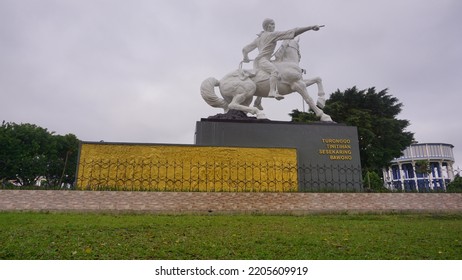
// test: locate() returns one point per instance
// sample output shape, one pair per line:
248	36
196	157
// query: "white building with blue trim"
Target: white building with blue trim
404	174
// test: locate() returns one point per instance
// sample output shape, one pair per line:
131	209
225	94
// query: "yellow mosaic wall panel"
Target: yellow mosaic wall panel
147	167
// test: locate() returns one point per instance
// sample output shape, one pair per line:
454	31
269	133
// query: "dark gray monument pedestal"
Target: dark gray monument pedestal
328	153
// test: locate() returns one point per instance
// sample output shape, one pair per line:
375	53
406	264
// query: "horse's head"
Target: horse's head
289	51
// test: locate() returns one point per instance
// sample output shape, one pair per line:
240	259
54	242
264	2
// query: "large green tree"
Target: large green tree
29	152
382	136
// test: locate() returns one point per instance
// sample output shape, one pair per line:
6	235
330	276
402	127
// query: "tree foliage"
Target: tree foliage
373	183
29	152
382	136
304	117
456	185
423	167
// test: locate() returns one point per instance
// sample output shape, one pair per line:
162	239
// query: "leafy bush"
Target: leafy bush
373	183
456	185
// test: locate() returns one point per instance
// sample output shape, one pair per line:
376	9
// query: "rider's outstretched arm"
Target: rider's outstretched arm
301	30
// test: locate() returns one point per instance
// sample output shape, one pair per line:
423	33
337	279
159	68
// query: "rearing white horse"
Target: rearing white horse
240	86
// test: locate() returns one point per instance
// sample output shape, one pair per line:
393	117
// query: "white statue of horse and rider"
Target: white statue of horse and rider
269	78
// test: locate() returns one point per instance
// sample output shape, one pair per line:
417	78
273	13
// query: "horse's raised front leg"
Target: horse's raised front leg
321	102
300	87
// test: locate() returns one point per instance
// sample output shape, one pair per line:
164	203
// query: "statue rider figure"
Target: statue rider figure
266	45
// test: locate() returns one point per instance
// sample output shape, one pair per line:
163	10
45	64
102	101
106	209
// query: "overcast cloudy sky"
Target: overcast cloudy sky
130	71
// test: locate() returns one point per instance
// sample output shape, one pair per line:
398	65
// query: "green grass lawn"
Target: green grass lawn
111	236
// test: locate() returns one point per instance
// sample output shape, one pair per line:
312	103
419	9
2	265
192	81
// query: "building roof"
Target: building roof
427	151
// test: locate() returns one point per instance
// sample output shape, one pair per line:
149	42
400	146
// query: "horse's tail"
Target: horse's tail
208	93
